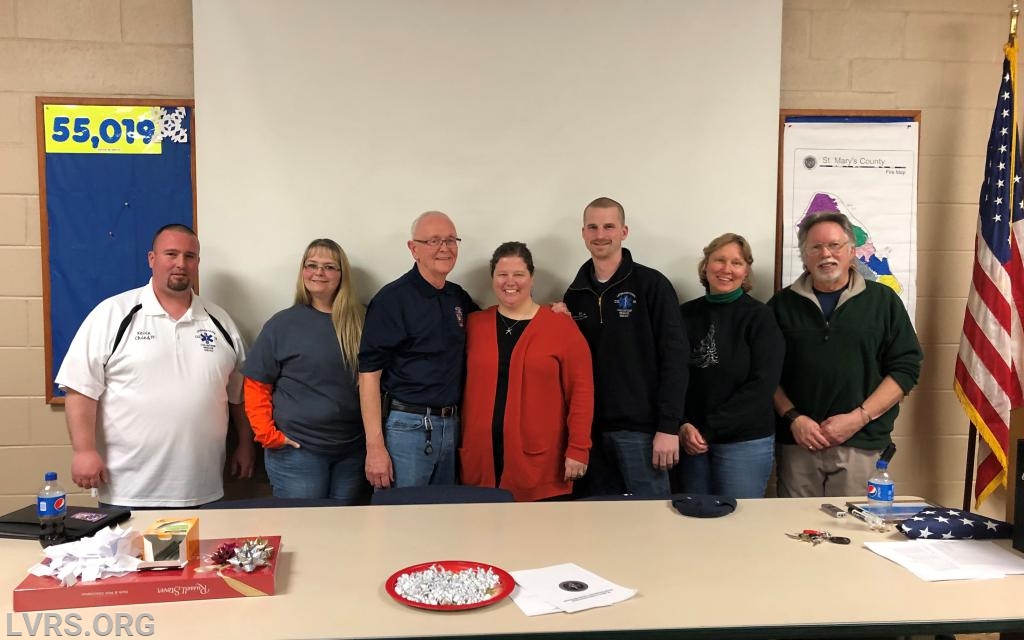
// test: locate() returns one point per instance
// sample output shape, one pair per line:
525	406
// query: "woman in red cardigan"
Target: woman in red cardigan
529	398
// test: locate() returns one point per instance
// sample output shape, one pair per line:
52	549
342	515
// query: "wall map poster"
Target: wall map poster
867	169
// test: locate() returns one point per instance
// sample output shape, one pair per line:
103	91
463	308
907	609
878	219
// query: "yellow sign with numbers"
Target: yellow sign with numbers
101	129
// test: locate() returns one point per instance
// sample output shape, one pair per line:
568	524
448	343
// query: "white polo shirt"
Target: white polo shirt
163	397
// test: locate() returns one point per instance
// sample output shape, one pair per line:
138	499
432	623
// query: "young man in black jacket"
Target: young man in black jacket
629	315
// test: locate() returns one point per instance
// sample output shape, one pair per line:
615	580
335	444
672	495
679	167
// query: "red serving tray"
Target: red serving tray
503	589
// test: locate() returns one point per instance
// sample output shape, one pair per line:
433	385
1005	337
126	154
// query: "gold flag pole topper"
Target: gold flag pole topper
1011	53
1014	12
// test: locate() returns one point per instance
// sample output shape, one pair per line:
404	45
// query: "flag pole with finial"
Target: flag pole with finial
977	423
1014	12
1011	53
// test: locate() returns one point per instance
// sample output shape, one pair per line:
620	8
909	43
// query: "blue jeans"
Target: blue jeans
736	470
414	462
299	473
627	466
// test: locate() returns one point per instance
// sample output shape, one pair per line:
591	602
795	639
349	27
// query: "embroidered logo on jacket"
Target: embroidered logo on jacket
625	302
460	317
207	340
705	354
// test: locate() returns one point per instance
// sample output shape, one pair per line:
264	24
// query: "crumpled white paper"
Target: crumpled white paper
109	552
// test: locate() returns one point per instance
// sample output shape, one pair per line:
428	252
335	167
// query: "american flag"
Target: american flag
953	524
988	366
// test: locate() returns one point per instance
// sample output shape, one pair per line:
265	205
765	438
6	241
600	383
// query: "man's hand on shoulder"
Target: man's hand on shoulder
88	469
666	451
561	307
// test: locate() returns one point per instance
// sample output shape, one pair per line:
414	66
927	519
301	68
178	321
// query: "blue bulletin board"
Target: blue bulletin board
111	172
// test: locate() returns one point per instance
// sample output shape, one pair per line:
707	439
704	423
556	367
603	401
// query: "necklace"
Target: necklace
508	327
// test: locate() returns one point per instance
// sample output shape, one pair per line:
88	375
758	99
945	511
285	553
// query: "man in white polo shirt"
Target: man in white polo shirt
151	378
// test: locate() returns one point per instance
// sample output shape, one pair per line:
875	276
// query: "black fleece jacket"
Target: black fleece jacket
638	344
735	364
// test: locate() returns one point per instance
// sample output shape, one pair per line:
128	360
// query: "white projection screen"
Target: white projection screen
346	119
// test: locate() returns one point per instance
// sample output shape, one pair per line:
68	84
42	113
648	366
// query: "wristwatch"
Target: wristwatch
791	415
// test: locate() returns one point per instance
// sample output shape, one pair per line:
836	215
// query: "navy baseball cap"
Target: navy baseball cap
703	506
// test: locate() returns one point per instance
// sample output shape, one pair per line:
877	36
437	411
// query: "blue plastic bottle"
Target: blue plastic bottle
881	490
51	507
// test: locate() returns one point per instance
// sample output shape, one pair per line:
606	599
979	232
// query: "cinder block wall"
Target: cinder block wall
104	48
940	56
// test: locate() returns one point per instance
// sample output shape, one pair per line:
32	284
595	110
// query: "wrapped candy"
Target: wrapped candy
438	586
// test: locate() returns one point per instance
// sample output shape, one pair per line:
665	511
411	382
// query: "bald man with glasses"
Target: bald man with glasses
411	364
851	356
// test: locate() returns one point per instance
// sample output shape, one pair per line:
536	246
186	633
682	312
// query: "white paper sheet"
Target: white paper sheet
935	560
564	587
530	604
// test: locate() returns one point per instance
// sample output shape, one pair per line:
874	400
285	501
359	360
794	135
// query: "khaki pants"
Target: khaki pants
836	471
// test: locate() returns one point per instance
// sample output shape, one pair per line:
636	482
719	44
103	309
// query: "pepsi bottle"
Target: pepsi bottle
881	491
51	507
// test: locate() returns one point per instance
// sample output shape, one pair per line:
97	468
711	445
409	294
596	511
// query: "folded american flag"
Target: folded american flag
953	524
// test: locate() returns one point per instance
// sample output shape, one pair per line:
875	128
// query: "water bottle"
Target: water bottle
881	490
51	507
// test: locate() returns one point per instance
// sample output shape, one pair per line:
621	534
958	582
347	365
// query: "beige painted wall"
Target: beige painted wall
940	56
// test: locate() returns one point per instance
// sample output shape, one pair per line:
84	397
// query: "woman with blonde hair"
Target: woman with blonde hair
736	353
300	384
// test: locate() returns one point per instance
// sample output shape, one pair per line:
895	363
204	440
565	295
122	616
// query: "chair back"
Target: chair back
630	496
273	503
440	494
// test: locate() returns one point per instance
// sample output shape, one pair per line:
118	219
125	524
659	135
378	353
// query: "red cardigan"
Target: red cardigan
548	412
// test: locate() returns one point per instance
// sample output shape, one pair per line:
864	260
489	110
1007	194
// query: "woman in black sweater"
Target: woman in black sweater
736	354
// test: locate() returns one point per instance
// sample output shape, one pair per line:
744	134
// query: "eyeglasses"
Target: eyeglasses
833	247
450	242
328	269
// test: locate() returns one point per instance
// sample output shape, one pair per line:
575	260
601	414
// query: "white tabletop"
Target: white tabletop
696	577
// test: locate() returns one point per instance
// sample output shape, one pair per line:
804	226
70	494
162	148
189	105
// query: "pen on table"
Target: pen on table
873	520
857	513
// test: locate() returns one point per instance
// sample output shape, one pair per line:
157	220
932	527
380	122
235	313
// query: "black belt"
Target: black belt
444	412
